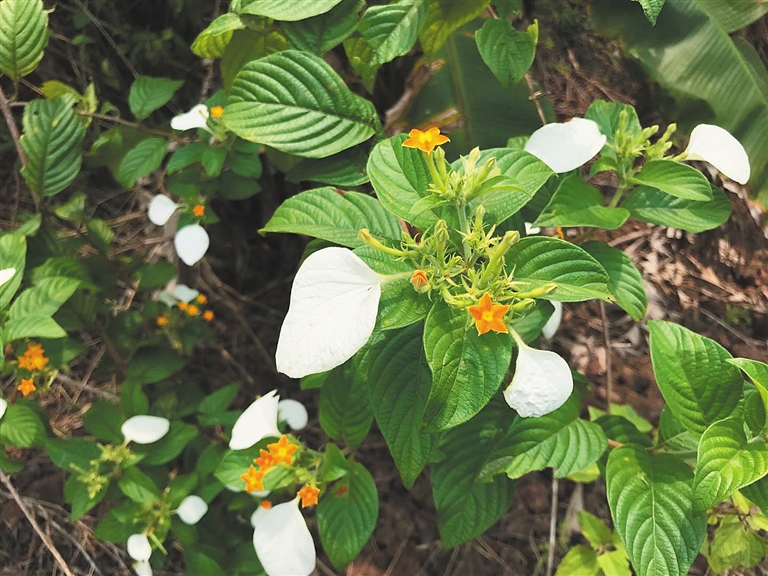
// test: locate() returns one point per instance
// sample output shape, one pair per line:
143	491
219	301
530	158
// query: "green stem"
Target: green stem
439	183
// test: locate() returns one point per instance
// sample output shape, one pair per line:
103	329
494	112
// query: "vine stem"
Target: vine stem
608	364
136	125
552	526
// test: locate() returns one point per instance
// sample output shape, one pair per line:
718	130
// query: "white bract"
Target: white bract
541	384
6	274
191	509
334	302
293	413
553	323
143	568
197	117
160	210
257	422
139	547
283	542
258	515
531	230
3	406
566	146
145	429
717	146
180	293
191	243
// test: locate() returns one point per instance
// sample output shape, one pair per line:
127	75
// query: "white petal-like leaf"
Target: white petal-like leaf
3	406
333	308
554	321
6	274
143	568
191	509
161	208
197	117
717	146
258	421
283	542
292	412
541	384
139	547
258	516
565	147
145	430
191	243
184	293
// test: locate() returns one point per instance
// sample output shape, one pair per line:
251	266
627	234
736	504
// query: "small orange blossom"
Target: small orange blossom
217	111
425	141
254	479
198	210
488	316
282	451
208	315
308	495
26	387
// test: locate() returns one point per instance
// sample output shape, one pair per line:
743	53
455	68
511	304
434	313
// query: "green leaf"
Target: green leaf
624	279
334	216
334	465
296	103
735	545
399	381
347	515
576	203
757	492
698	384
360	56
66	452
76	493
541	261
726	462
250	44
344	412
651	506
23	36
347	168
52	141
651	9
155	275
607	115
579	561
219	401
594	530
467	368
622	430
212	41
152	364
141	160
103	420
288	10
732	16
13	254
507	52
138	487
43	299
31	327
21	426
758	372
133	400
169	446
654	206
391	30
147	94
679	180
443	18
324	32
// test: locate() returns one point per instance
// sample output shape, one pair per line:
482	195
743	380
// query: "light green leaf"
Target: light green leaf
758	372
624	279
250	44
186	156
52	141
735	545
651	9
757	492
320	34
579	561
679	180
594	530
399	381
360	56
650	500
21	426
698	384
337	217
43	299
732	16
212	41
443	18
391	29
23	36
654	206
31	327
76	493
507	52
607	115
148	94
141	160
621	430
541	261
347	515
65	452
288	10
138	487
345	412
296	103
615	562
576	203
467	368
727	461
13	254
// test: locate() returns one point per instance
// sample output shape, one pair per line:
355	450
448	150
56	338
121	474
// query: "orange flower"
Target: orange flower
425	141
202	299
217	111
420	281
192	310
282	451
33	358
266	504
183	306
161	320
264	461
308	495
199	211
208	315
26	387
488	316
254	479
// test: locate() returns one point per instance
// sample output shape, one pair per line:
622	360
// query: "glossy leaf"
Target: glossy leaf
13	254
21	426
624	279
212	41
391	29
677	179
288	10
141	160
576	203
654	206
31	327
651	9
23	36
256	41
345	412
148	94
321	33
443	18
507	52
43	299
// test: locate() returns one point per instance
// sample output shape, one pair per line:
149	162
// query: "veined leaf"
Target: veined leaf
391	29
757	492
732	16
52	141
148	94
576	203
43	299
654	206
541	261
345	412
333	216
23	36
579	561
31	327
679	180
607	114
321	33
212	41
624	279
651	9
296	102
13	254
141	160
443	18
507	52
344	169
700	387
651	506
21	426
250	44
288	10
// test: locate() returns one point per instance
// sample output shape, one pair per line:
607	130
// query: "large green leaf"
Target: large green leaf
677	179
334	216
21	427
45	298
295	102
467	368
148	94
141	160
607	115
732	16
258	40
698	384
651	506
654	206
23	36
757	492
345	412
289	10
507	52
13	254
212	41
391	29
541	261
624	279
347	516
31	327
727	461
321	33
52	141
399	381
445	17
758	372
576	203
707	72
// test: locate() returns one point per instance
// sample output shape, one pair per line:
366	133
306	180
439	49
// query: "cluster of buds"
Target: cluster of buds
33	362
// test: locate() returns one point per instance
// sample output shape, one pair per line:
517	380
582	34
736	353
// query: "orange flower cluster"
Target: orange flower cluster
280	452
193	310
33	358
